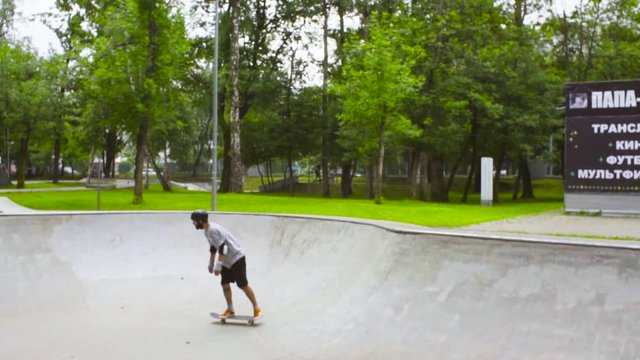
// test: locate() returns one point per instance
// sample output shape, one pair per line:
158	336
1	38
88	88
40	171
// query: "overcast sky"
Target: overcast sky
44	40
28	26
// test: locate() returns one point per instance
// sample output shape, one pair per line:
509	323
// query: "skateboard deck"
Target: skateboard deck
250	320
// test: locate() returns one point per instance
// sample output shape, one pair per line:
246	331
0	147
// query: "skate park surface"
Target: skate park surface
128	285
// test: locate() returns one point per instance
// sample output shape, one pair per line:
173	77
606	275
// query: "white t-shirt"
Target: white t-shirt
220	237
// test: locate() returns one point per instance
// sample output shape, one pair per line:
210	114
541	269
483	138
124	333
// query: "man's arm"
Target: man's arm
217	267
212	258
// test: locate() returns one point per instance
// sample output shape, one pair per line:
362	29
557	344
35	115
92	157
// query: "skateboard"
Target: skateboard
250	320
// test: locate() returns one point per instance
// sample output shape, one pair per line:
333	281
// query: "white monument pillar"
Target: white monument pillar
486	184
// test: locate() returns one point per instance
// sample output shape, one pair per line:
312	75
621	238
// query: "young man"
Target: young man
231	263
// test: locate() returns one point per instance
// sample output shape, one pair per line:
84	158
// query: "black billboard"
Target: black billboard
602	137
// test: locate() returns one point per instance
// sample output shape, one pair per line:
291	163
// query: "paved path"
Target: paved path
120	184
9	207
559	224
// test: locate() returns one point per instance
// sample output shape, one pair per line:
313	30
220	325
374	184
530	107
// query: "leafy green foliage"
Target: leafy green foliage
449	81
376	81
27	102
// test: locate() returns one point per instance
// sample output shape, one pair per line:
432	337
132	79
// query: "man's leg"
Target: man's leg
226	280
226	289
239	270
257	312
251	295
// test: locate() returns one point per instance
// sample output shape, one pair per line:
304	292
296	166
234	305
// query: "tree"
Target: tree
132	55
58	70
300	123
617	55
577	39
441	109
377	81
327	133
236	169
7	12
24	99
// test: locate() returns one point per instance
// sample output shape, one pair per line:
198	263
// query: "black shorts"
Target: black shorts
237	274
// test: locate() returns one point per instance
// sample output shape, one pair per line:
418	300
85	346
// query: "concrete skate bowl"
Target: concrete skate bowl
135	286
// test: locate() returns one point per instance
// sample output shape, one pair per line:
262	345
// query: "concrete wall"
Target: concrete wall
607	204
135	286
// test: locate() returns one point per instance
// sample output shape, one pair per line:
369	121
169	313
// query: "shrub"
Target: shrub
124	167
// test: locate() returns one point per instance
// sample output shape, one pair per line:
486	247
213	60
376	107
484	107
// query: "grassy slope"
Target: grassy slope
548	197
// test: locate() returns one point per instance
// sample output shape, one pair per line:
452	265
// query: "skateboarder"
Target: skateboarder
231	263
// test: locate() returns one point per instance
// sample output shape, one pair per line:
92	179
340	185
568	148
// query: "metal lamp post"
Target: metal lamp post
214	146
6	140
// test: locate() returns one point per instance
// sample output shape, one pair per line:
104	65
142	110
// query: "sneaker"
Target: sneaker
227	313
257	313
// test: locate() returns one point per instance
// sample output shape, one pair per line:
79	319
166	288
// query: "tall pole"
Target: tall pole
6	137
214	146
99	178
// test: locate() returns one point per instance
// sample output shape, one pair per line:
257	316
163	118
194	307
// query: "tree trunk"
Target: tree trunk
237	171
225	178
527	186
270	174
164	181
167	171
456	166
23	157
91	157
370	179
520	11
326	136
496	178
148	8
264	186
341	30
477	178
474	152
380	166
141	154
201	145
345	180
57	146
467	185
326	188
516	186
111	149
414	170
424	186
194	172
436	175
290	169
7	161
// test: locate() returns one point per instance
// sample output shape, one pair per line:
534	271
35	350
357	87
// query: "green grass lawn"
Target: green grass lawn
45	185
548	197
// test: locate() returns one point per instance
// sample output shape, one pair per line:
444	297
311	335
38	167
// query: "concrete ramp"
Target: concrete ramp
135	286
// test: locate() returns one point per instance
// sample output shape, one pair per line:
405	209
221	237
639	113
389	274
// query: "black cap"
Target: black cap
200	215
